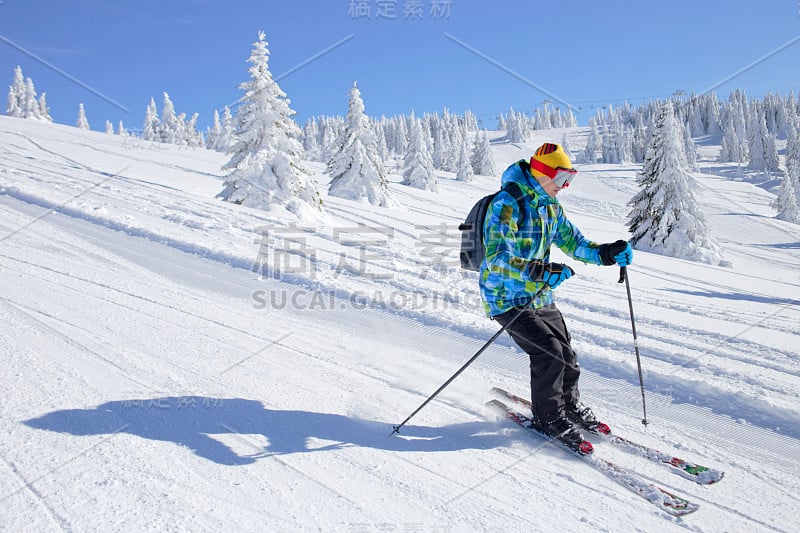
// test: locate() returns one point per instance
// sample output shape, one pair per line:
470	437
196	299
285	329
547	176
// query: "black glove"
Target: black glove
551	273
616	253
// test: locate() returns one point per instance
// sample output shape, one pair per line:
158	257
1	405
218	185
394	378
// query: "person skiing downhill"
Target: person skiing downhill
516	276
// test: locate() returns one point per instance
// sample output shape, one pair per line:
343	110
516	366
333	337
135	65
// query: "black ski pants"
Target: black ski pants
543	335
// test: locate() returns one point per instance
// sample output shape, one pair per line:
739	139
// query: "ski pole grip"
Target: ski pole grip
622	274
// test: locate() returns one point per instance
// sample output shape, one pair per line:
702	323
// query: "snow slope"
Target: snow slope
153	381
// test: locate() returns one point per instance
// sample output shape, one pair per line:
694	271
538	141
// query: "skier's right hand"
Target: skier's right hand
550	273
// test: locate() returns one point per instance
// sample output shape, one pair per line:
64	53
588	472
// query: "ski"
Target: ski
667	501
700	474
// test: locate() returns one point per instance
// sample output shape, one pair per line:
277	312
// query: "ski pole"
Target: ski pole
396	429
623	276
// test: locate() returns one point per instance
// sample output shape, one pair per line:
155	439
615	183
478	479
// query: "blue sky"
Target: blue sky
468	55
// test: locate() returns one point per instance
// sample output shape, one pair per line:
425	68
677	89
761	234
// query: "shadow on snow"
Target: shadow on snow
198	422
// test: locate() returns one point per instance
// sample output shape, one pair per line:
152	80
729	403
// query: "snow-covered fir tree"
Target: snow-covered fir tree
763	155
787	202
501	122
356	171
22	101
214	132
31	102
228	137
311	139
82	122
665	216
109	127
482	160
170	130
121	129
592	144
16	92
151	127
418	169
266	165
689	147
44	110
464	170
734	149
442	158
565	145
192	137
516	127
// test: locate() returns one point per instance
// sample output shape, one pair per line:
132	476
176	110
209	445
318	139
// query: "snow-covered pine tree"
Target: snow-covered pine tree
482	160
690	147
82	123
170	130
733	148
151	127
592	143
214	132
763	155
266	165
665	216
418	169
192	137
380	136
566	147
30	104
787	202
356	171
16	95
228	138
44	110
694	121
121	129
638	143
516	127
464	170
441	155
109	127
310	139
501	122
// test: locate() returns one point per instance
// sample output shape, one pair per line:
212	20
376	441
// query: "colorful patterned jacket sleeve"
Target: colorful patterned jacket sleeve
572	242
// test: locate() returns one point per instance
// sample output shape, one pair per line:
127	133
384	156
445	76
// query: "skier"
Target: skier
517	275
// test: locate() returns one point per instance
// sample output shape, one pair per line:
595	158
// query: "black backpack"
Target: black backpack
472	249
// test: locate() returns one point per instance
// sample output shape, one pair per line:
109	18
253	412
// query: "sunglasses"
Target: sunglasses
560	176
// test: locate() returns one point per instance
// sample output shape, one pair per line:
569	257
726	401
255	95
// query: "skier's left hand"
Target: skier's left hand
550	273
620	253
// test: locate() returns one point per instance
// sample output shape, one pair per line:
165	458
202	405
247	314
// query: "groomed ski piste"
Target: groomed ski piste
151	380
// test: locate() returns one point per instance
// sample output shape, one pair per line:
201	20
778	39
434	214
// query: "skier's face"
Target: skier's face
549	186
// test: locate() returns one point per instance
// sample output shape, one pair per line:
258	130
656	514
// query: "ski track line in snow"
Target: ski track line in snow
673	277
59	521
263	340
659	337
68	340
78	164
695	309
753	215
125	372
29	485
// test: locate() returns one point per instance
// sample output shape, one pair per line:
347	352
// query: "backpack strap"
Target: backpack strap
514	190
